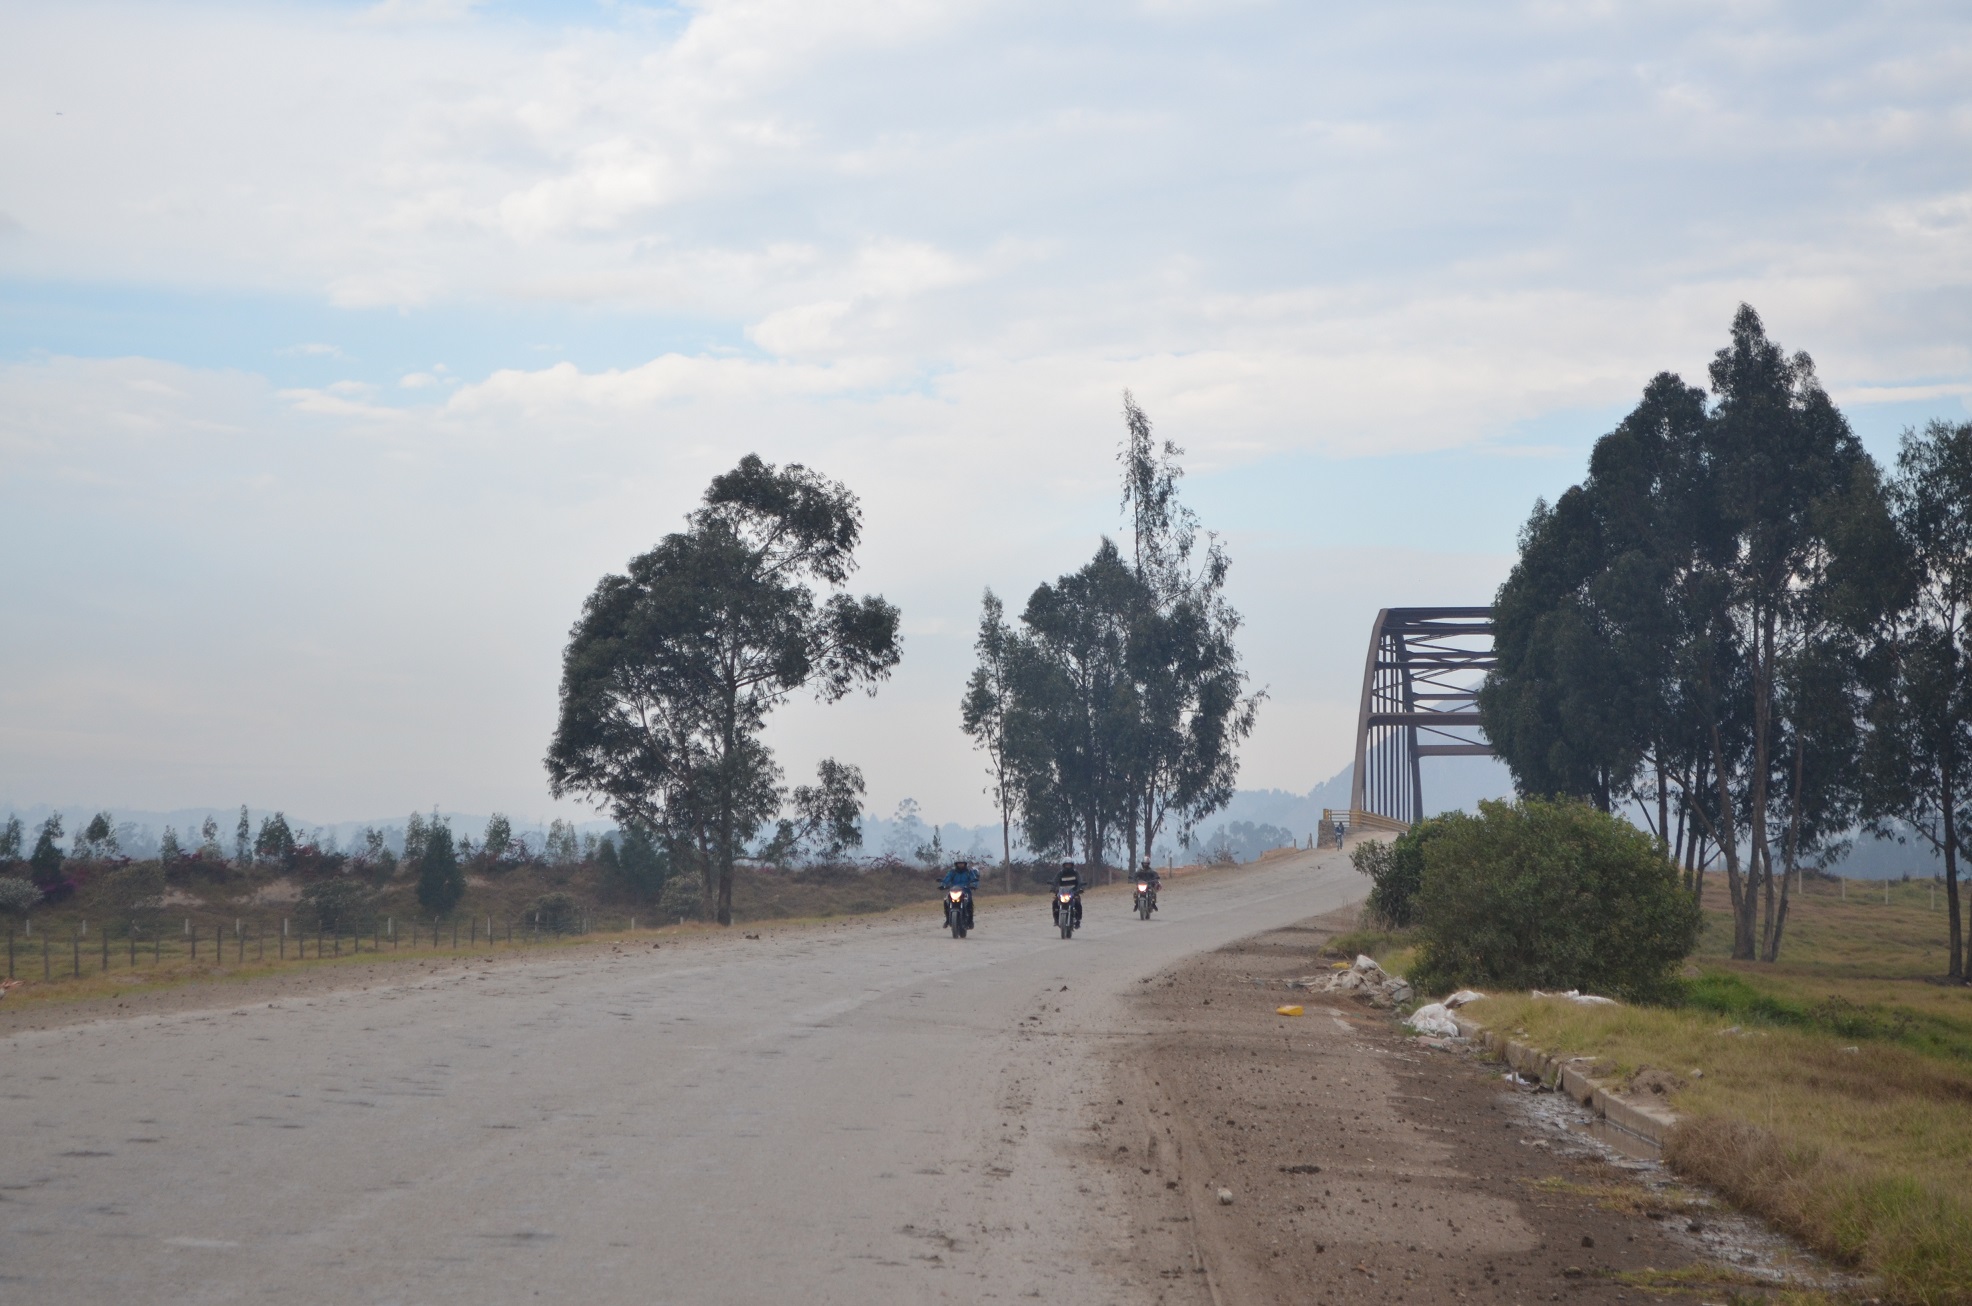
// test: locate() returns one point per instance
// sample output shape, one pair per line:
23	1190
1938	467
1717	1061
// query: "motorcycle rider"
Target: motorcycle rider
1067	878
962	876
1147	876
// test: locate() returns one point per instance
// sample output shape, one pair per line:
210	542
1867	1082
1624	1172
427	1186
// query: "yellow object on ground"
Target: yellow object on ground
1287	1011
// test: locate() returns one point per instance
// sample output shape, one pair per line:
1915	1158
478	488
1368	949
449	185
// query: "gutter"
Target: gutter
1567	1075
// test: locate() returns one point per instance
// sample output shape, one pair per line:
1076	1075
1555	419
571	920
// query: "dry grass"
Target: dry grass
1834	1090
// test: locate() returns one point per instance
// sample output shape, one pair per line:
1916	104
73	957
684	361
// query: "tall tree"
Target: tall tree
243	840
11	837
499	837
1076	708
673	668
1648	634
441	880
828	815
1188	685
45	862
983	714
276	842
1920	739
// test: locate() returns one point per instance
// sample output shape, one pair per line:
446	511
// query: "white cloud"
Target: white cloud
927	243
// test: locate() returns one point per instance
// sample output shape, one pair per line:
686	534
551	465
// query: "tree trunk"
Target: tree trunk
1788	869
1006	846
1744	946
1960	965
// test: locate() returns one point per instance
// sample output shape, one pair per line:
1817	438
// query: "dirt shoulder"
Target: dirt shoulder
1362	1166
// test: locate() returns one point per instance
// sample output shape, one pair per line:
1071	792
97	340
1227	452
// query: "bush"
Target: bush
135	894
556	913
18	897
681	896
1396	870
639	869
441	880
335	905
1550	895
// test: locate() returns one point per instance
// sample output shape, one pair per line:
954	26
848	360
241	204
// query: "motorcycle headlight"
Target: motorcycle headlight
957	894
1143	888
1066	895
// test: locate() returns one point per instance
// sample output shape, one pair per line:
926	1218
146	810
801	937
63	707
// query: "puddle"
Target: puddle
1558	1124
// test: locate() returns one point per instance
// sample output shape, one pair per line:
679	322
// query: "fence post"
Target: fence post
76	941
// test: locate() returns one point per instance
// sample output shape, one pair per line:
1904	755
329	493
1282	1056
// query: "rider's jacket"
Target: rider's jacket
1068	879
1148	876
960	877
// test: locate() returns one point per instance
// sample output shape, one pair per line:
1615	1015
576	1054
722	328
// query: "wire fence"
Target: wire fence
127	946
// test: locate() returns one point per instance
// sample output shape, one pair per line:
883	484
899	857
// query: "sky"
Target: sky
345	346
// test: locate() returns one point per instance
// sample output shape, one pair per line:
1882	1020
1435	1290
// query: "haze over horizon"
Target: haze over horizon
343	347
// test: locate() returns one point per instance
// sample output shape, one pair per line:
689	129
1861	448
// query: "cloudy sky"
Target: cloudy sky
343	346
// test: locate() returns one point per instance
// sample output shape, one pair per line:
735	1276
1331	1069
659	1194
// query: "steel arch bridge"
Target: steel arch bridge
1420	699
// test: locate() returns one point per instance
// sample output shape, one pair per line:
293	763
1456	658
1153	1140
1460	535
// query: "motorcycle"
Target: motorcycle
958	911
1064	912
1146	902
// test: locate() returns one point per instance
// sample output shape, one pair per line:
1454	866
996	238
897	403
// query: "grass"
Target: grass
1830	1093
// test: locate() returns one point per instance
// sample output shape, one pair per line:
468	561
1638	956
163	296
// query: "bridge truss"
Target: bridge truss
1420	699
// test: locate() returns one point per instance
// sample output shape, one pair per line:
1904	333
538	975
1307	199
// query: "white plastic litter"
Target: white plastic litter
1365	979
1433	1018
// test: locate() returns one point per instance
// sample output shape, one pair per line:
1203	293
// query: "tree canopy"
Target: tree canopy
674	666
1119	703
1685	629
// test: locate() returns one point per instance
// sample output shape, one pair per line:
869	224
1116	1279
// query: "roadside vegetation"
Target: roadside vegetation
1830	1092
1744	632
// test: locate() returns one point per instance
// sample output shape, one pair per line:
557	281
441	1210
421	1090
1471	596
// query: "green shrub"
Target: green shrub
441	880
134	896
1552	895
1396	871
336	905
681	896
18	897
556	913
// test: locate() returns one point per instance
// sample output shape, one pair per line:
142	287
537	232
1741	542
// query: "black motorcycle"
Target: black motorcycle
1067	910
958	911
1146	900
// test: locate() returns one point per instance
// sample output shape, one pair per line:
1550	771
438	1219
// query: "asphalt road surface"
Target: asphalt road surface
866	1111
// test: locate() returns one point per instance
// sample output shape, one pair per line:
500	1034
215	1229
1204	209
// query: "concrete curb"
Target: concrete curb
1564	1074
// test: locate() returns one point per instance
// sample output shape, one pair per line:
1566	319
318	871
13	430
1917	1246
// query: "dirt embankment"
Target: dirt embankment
1360	1167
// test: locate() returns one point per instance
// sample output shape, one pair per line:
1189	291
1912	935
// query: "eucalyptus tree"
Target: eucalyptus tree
1120	701
1691	614
1920	738
1074	707
827	820
674	666
983	715
1189	686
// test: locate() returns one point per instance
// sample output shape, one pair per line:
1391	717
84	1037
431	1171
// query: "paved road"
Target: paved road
863	1112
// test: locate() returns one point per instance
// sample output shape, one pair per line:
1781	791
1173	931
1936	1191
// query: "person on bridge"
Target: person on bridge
1067	878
